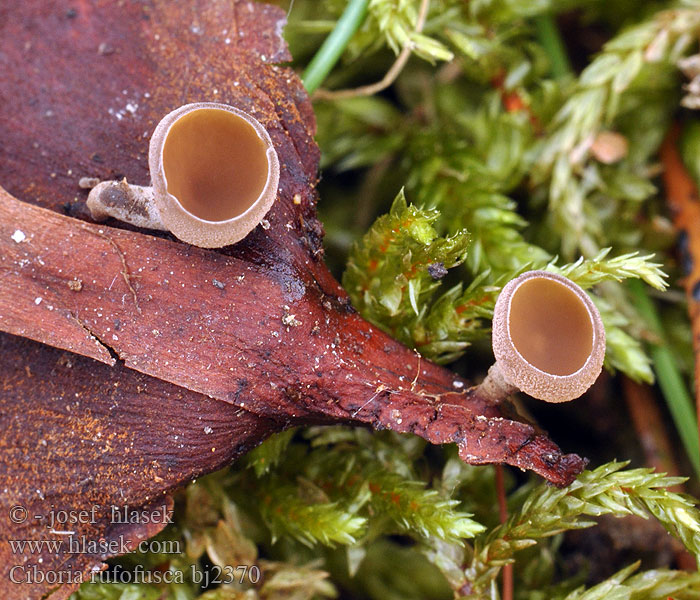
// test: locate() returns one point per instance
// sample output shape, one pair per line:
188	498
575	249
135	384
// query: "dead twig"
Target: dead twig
391	74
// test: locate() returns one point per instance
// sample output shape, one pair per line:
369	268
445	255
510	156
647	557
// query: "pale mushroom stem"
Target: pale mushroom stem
495	387
133	204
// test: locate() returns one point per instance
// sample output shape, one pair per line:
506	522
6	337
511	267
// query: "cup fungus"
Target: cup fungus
214	174
548	339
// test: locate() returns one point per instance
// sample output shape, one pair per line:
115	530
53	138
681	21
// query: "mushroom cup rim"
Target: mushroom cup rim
174	214
524	375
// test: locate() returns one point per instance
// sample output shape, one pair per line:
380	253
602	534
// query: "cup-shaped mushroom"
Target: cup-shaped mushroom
548	337
214	172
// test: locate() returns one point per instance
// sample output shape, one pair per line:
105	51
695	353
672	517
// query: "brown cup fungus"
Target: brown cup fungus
214	174
548	339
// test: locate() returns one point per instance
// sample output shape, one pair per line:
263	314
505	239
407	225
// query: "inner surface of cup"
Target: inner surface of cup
549	325
215	164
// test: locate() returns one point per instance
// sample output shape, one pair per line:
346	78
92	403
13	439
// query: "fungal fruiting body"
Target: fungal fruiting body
214	174
548	338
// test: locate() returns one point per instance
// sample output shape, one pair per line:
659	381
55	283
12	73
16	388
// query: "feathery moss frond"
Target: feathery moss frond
389	492
417	511
598	99
657	584
395	269
268	454
623	352
286	512
607	490
393	23
593	271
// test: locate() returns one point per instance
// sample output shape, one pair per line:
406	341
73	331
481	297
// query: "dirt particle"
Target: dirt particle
218	284
75	285
105	49
291	321
87	183
437	270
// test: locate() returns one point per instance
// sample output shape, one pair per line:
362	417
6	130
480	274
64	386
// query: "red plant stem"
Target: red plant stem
649	424
683	202
503	515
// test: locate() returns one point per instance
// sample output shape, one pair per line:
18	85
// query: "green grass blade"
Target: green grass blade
334	45
670	380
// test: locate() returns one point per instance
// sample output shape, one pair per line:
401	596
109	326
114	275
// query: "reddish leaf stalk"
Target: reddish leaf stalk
684	205
503	515
653	437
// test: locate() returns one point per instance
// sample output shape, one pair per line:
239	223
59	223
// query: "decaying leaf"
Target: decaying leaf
189	357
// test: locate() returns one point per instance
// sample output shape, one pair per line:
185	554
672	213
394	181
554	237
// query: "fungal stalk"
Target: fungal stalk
548	339
214	176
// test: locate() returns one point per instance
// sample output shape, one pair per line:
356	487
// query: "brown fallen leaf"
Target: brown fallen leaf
178	374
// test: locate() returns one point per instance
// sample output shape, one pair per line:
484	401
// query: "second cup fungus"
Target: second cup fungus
214	174
548	339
